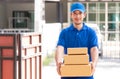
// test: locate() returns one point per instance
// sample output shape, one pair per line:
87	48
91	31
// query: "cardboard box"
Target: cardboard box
78	51
76	59
75	70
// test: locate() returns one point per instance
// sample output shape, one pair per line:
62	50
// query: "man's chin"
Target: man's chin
78	23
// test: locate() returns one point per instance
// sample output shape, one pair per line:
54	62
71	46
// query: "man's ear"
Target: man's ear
84	14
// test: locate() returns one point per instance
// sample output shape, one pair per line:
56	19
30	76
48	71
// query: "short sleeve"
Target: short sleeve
93	39
61	40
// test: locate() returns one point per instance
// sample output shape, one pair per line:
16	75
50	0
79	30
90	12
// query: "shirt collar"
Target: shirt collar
73	28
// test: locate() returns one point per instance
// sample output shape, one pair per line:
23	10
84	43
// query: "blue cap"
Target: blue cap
77	6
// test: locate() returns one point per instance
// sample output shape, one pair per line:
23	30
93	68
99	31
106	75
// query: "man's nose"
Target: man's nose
78	15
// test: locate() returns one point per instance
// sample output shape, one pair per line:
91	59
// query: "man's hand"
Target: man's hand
92	67
59	57
58	67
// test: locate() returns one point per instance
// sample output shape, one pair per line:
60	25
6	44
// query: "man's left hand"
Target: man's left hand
92	67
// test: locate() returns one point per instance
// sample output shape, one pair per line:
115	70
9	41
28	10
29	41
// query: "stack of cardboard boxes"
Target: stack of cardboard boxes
76	63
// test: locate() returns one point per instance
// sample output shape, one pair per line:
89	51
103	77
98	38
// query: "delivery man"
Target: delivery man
77	35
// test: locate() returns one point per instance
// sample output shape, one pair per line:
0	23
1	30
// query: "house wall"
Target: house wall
3	18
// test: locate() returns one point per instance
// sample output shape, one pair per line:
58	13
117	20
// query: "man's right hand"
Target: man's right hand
58	67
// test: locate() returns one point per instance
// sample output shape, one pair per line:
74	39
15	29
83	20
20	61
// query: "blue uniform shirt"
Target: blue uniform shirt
73	38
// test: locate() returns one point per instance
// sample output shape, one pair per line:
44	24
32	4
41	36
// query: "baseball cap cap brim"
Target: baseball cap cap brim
79	10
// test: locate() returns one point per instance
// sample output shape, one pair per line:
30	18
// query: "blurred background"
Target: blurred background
49	17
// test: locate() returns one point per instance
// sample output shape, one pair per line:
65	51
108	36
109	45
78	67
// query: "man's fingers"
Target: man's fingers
92	68
58	70
58	67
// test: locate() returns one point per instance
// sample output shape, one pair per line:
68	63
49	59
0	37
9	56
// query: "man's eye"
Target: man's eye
74	13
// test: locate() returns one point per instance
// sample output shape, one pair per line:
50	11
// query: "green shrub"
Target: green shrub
48	60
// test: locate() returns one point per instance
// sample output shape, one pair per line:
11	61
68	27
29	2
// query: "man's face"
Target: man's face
77	17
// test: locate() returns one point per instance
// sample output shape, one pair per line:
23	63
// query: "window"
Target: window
92	16
111	7
102	7
92	7
23	19
111	26
111	17
111	36
102	26
102	16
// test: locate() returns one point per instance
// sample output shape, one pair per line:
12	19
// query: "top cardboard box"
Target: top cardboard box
77	51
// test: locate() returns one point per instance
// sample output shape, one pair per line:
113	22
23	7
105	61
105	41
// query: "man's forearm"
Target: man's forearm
94	55
59	54
58	57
